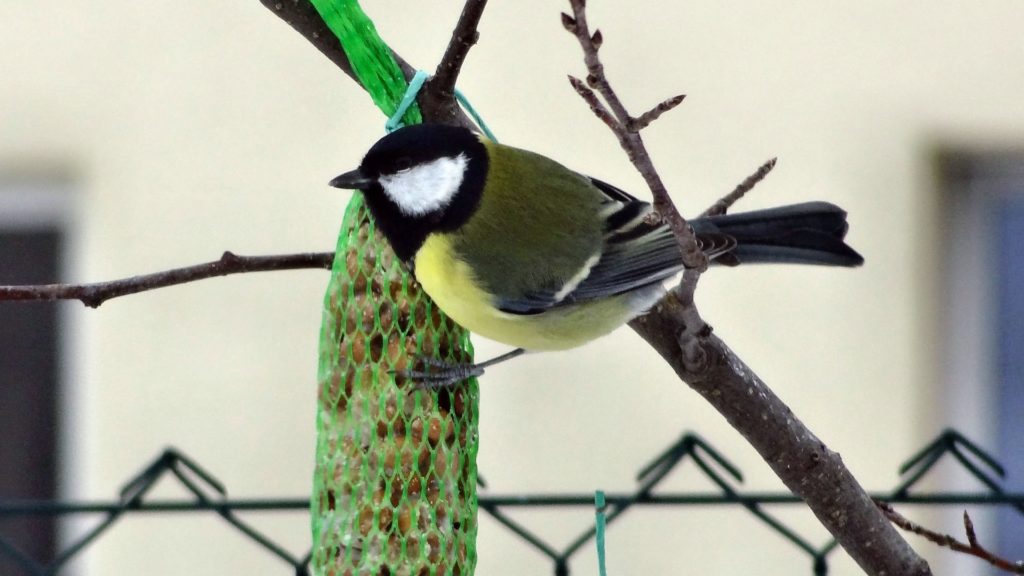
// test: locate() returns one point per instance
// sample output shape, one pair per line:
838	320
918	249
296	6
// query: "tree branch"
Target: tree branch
675	329
972	547
441	88
92	295
626	128
802	461
726	202
642	121
596	106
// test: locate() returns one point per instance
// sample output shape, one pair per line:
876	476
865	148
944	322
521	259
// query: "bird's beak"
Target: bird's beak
354	180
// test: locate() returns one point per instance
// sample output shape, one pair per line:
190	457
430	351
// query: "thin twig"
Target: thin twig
464	37
639	123
972	547
726	202
94	294
626	128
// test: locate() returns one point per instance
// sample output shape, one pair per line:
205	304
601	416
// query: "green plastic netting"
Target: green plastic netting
395	488
395	477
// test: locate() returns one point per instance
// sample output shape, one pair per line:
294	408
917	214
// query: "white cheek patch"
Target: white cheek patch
427	187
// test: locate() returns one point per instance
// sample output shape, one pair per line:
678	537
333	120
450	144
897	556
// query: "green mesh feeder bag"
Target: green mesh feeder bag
395	477
395	480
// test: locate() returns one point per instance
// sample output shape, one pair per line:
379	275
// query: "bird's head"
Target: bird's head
420	179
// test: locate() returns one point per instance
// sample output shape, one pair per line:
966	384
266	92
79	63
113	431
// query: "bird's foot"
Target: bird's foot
439	374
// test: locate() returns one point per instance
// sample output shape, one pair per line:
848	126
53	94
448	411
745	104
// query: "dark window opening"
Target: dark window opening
29	372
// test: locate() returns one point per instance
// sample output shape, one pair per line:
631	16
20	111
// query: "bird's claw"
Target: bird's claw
447	374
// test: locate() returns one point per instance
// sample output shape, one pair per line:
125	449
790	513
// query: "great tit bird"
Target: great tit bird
522	250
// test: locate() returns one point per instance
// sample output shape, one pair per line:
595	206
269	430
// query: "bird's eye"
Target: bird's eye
403	164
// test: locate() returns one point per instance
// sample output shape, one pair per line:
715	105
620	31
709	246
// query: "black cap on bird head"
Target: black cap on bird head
420	179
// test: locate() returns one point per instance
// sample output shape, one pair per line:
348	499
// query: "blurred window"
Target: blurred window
982	251
1009	220
31	234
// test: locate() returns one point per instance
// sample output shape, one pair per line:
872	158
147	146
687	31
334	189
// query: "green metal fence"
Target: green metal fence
209	496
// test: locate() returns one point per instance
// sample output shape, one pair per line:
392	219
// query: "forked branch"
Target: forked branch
674	328
610	109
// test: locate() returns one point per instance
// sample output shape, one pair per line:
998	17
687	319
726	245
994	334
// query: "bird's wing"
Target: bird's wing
636	252
613	193
640	255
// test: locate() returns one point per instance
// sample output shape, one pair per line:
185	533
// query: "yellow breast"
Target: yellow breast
452	285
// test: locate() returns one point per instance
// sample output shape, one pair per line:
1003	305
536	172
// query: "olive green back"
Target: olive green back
517	241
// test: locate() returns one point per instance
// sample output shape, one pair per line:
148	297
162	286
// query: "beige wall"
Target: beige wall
191	127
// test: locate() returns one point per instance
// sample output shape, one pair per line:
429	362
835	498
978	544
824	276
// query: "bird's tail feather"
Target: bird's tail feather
808	233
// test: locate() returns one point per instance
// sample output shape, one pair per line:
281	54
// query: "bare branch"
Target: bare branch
464	37
596	106
675	329
626	129
639	123
726	202
972	547
92	295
